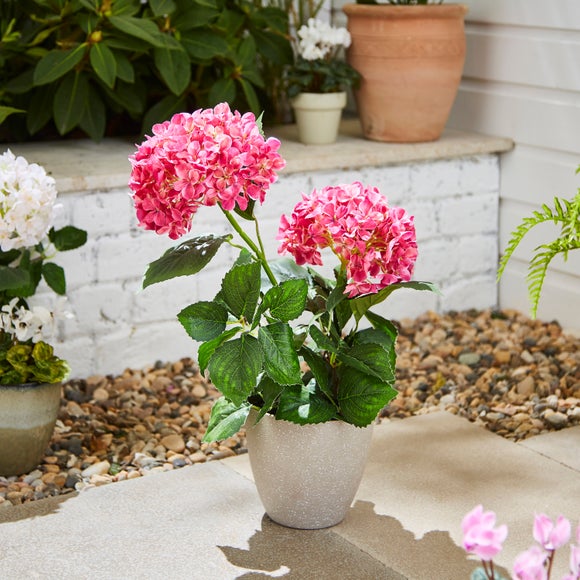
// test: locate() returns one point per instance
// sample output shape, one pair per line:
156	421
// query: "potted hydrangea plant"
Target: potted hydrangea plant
318	80
301	359
30	372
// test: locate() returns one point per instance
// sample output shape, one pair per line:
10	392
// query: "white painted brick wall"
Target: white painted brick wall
118	325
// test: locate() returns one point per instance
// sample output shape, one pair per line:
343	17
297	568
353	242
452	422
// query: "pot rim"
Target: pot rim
28	386
406	12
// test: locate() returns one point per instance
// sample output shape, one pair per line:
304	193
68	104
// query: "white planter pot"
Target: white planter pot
307	475
27	417
318	116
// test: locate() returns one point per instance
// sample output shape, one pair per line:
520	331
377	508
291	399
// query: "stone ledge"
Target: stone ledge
82	165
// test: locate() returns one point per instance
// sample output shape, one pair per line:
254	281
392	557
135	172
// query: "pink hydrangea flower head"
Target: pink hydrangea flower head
208	157
374	242
549	535
480	537
530	565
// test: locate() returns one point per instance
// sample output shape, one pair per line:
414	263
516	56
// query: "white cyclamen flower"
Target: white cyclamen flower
24	324
318	39
27	196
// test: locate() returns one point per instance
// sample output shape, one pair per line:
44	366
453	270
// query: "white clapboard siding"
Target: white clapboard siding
522	80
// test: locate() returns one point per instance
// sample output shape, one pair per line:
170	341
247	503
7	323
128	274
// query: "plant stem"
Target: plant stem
258	251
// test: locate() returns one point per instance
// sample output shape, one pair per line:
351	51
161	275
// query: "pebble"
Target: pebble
515	376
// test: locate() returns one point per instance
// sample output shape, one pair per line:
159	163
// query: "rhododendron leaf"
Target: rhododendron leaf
103	63
13	278
361	305
226	419
53	275
94	116
67	238
362	396
69	101
204	44
250	94
241	290
5	112
370	359
163	109
286	301
203	320
138	27
162	7
188	258
270	391
304	405
206	349
274	47
234	367
280	359
57	63
174	67
224	90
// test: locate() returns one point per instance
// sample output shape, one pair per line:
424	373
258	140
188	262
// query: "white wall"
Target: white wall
522	80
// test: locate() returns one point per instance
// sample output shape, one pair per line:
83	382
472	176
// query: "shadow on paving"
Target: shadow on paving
366	546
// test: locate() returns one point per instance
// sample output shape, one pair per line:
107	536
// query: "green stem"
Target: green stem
258	251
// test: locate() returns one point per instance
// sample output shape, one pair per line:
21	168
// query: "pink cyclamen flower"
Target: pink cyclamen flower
574	562
376	243
208	157
549	535
530	565
480	537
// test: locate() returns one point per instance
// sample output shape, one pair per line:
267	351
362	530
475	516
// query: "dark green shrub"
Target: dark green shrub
110	67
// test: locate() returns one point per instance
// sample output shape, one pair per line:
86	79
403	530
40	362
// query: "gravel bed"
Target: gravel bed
515	376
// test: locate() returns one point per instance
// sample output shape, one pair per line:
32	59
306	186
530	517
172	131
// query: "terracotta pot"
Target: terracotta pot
318	116
306	475
411	60
27	416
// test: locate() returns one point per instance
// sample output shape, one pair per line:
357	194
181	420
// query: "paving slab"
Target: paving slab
562	446
206	522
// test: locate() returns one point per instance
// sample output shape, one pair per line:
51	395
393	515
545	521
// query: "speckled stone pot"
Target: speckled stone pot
27	416
306	475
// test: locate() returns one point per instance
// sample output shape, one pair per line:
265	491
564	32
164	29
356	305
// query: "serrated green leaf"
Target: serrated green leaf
54	276
174	67
371	359
203	320
270	392
287	300
104	63
138	27
67	238
280	358
304	405
320	369
206	349
234	367
57	63
322	341
241	290
226	420
69	102
361	396
185	259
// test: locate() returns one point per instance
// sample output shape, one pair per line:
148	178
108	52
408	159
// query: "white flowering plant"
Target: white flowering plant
28	242
319	66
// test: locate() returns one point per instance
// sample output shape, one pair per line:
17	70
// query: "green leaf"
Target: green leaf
139	28
234	367
361	305
205	44
125	70
320	369
53	275
39	110
241	290
280	358
162	110
69	102
322	341
224	90
286	301
162	7
94	117
248	213
67	238
361	396
57	63
250	95
226	420
174	67
188	258
203	320
288	269
206	349
5	112
270	392
304	405
371	359
383	325
104	63
6	258
12	278
274	47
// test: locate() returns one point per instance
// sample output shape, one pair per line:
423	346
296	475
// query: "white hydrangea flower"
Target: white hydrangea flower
318	39
27	198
